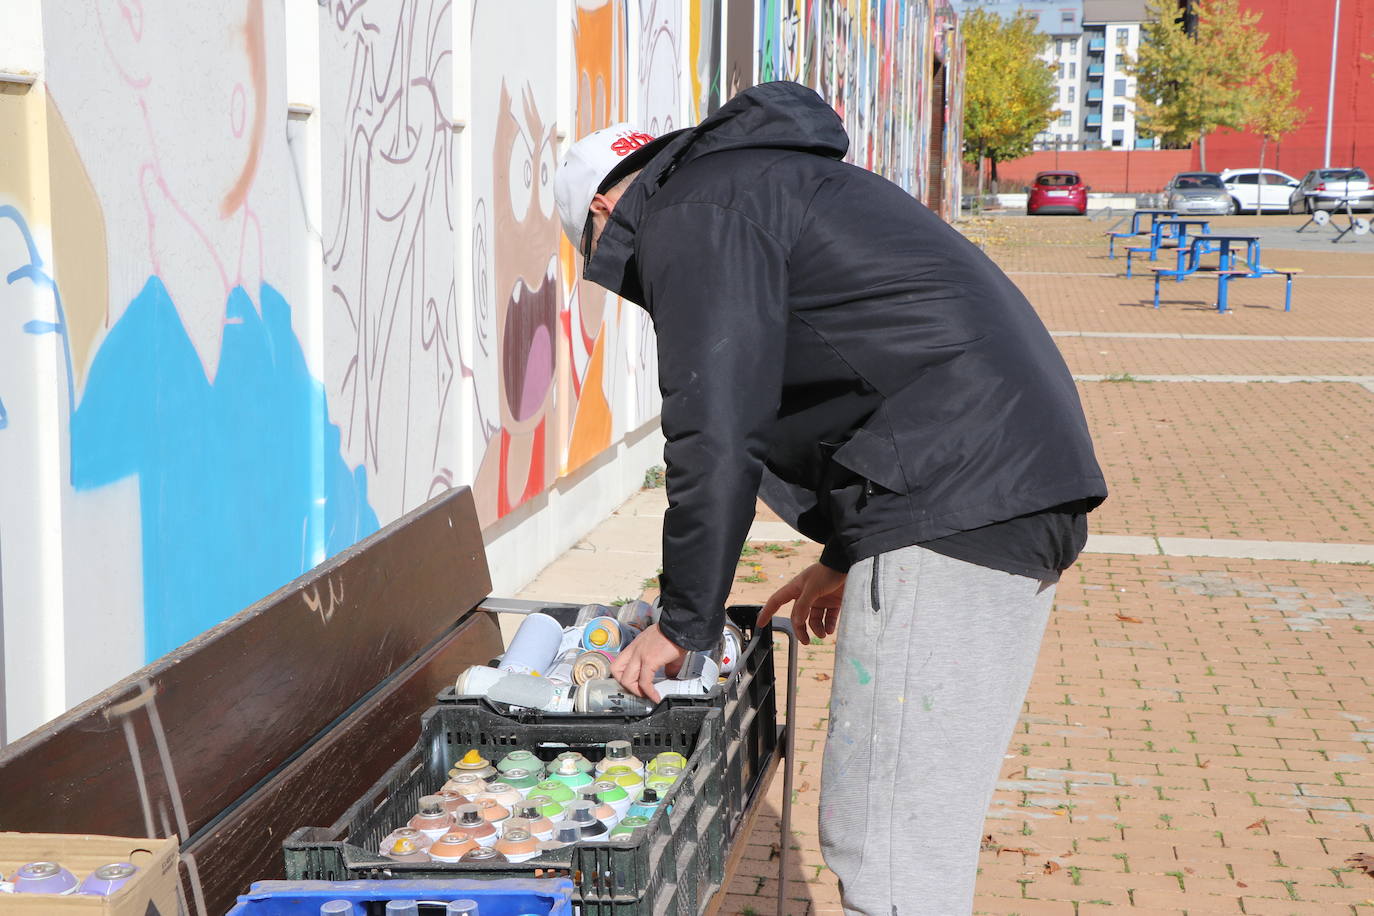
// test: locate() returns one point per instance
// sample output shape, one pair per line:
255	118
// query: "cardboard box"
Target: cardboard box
151	892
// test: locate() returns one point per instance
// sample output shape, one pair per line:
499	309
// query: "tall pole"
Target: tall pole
1331	88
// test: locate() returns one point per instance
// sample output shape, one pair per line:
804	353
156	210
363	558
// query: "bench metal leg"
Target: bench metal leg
1288	294
1156	290
1111	248
1222	282
1129	252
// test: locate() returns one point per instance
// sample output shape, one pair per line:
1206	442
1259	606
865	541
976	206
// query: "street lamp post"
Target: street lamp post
1331	87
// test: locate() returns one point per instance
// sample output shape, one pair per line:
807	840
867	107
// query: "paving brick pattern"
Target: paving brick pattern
1199	735
1099	356
1286	462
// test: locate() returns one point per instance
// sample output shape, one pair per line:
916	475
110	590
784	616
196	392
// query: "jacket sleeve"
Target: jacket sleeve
716	285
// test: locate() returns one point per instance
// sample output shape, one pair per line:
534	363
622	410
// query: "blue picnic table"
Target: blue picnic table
1136	231
1227	248
1168	230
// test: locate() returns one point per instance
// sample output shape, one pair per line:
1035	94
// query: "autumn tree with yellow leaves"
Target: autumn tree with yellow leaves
1009	92
1219	76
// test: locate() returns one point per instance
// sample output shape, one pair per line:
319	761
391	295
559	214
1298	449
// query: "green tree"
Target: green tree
1275	113
1009	91
1188	86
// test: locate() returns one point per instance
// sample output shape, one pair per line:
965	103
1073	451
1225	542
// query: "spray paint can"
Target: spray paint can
547	806
433	819
579	760
624	776
667	758
731	649
405	844
461	908
402	908
337	908
517	845
107	879
534	821
591	665
554	790
626	829
473	762
453	799
647	803
471	822
582	814
635	616
570	773
521	759
561	671
620	753
493	812
503	793
564	834
589	612
483	855
607	696
613	794
452	846
44	878
520	780
477	680
664	778
468	784
602	633
534	647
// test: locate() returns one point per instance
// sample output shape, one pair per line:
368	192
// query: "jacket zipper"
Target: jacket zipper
874	577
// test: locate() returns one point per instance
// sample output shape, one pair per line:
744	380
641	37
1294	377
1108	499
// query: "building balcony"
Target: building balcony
1097	45
1093	120
1093	96
1094	71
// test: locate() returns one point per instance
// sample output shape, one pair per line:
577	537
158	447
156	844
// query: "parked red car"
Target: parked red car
1057	192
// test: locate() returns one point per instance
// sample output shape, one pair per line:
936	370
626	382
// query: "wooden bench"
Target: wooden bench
284	715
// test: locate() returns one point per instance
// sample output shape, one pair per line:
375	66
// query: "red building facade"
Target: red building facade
1305	27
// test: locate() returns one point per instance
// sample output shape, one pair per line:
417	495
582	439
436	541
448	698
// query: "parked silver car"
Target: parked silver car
1328	189
1198	192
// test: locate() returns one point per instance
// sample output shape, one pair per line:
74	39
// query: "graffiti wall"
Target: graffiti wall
272	275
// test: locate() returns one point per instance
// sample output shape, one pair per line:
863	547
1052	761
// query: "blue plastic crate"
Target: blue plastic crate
515	897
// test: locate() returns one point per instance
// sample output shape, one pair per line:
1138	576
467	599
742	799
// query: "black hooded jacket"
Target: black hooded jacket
823	334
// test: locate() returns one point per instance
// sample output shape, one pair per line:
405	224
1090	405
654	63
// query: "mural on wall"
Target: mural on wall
740	60
185	391
594	384
703	30
769	48
391	325
515	237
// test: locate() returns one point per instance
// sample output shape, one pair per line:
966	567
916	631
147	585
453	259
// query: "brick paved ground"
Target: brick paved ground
1199	732
1199	735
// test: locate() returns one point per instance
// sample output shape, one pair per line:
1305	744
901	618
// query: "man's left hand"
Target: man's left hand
637	663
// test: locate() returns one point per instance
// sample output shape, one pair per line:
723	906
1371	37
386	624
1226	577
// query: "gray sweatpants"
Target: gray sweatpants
931	667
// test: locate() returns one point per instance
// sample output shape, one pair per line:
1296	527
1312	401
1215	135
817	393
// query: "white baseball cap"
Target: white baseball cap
586	166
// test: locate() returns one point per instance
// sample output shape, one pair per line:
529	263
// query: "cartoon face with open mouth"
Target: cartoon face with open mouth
526	262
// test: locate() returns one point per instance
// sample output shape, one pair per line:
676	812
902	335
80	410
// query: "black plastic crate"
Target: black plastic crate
747	699
673	867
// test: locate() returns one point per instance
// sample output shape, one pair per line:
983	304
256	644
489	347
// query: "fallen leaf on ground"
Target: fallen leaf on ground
1204	763
1362	861
1126	619
1189	871
1016	850
1259	824
805	786
821	676
1241	884
1052	867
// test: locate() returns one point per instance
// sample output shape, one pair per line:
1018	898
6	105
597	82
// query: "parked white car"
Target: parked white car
1254	191
1329	189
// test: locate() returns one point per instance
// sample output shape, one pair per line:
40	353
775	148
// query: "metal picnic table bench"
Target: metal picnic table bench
1178	233
1136	217
1226	269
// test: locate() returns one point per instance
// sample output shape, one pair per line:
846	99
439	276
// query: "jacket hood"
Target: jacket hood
780	115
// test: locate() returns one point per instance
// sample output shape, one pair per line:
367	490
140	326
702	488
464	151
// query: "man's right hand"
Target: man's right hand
816	593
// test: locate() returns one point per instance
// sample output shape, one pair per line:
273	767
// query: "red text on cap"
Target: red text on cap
623	146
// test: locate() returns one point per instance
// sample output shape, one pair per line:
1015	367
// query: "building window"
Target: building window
1065	119
1073	93
1073	45
1066	16
1119	88
1118	112
1059	47
1073	70
1118	137
1121	61
1123	37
